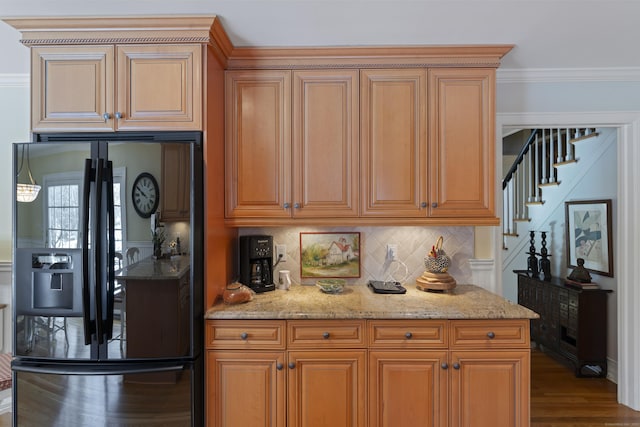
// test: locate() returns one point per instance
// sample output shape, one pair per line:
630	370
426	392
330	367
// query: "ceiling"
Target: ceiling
554	34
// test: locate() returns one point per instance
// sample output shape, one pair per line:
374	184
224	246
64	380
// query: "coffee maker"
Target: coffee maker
256	263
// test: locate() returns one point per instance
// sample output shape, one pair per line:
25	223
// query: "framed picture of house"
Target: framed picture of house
588	224
330	254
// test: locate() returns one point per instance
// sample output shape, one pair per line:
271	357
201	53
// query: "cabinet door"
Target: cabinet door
258	143
245	389
461	118
490	388
408	388
176	180
159	87
325	143
72	88
326	388
393	142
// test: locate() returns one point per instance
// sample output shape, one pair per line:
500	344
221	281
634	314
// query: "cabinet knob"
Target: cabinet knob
287	205
423	204
292	365
456	365
444	365
408	335
279	366
296	205
491	335
434	204
325	335
244	335
118	115
106	116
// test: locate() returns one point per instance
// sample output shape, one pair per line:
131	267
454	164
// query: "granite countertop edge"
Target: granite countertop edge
359	302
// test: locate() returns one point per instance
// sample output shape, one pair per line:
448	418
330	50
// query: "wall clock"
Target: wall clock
145	194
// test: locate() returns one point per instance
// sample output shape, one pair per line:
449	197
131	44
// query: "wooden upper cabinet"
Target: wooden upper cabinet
159	87
393	142
175	202
112	87
461	142
325	143
258	143
72	88
273	173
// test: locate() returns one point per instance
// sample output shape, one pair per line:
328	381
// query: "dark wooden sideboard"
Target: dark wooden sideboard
572	323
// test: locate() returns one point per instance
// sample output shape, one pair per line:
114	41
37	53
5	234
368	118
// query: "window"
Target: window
63	215
63	205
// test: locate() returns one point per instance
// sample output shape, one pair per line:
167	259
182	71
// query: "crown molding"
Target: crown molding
563	75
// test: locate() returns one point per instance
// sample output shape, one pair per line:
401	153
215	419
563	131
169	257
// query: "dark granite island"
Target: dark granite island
157	309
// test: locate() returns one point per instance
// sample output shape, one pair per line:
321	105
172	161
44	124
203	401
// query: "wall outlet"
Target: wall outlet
281	250
392	252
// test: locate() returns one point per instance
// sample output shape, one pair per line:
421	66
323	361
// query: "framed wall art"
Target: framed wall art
330	254
588	224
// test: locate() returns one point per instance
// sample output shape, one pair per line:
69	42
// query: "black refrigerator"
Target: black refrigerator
108	293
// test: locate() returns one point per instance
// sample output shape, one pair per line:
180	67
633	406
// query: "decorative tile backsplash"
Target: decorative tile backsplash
413	244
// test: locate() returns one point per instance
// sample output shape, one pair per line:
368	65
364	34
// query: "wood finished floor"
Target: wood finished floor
559	399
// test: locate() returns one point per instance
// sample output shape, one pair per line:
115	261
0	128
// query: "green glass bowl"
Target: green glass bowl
331	286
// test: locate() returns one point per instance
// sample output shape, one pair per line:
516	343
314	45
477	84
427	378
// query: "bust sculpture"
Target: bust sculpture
580	274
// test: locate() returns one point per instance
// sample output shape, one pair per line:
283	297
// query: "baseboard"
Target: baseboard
612	370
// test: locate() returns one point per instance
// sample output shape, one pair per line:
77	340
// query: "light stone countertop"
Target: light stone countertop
359	302
152	269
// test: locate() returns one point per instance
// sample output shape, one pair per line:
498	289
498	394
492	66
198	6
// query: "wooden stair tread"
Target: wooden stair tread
549	184
583	137
534	203
566	162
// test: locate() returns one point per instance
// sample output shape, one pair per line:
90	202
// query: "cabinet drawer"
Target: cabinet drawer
410	334
489	333
325	334
245	334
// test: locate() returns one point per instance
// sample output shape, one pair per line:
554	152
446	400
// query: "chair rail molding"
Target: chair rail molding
627	250
14	80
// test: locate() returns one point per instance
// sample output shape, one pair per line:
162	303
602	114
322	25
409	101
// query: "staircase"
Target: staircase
535	168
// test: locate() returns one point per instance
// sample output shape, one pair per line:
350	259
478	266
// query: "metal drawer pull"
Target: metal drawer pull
408	335
445	366
279	366
292	365
244	335
491	335
456	366
325	335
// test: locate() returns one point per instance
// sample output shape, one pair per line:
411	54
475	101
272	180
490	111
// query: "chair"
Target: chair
133	255
117	261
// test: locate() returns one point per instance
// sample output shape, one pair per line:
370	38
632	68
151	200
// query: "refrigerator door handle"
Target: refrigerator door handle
97	244
86	294
110	288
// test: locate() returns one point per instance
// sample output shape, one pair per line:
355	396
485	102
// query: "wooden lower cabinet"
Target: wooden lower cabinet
326	388
378	373
490	388
408	388
245	389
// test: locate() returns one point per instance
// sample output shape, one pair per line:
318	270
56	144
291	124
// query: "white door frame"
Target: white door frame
627	250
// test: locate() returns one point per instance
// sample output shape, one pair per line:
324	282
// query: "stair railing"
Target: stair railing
534	168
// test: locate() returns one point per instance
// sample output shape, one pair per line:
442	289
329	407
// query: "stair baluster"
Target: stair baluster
536	167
